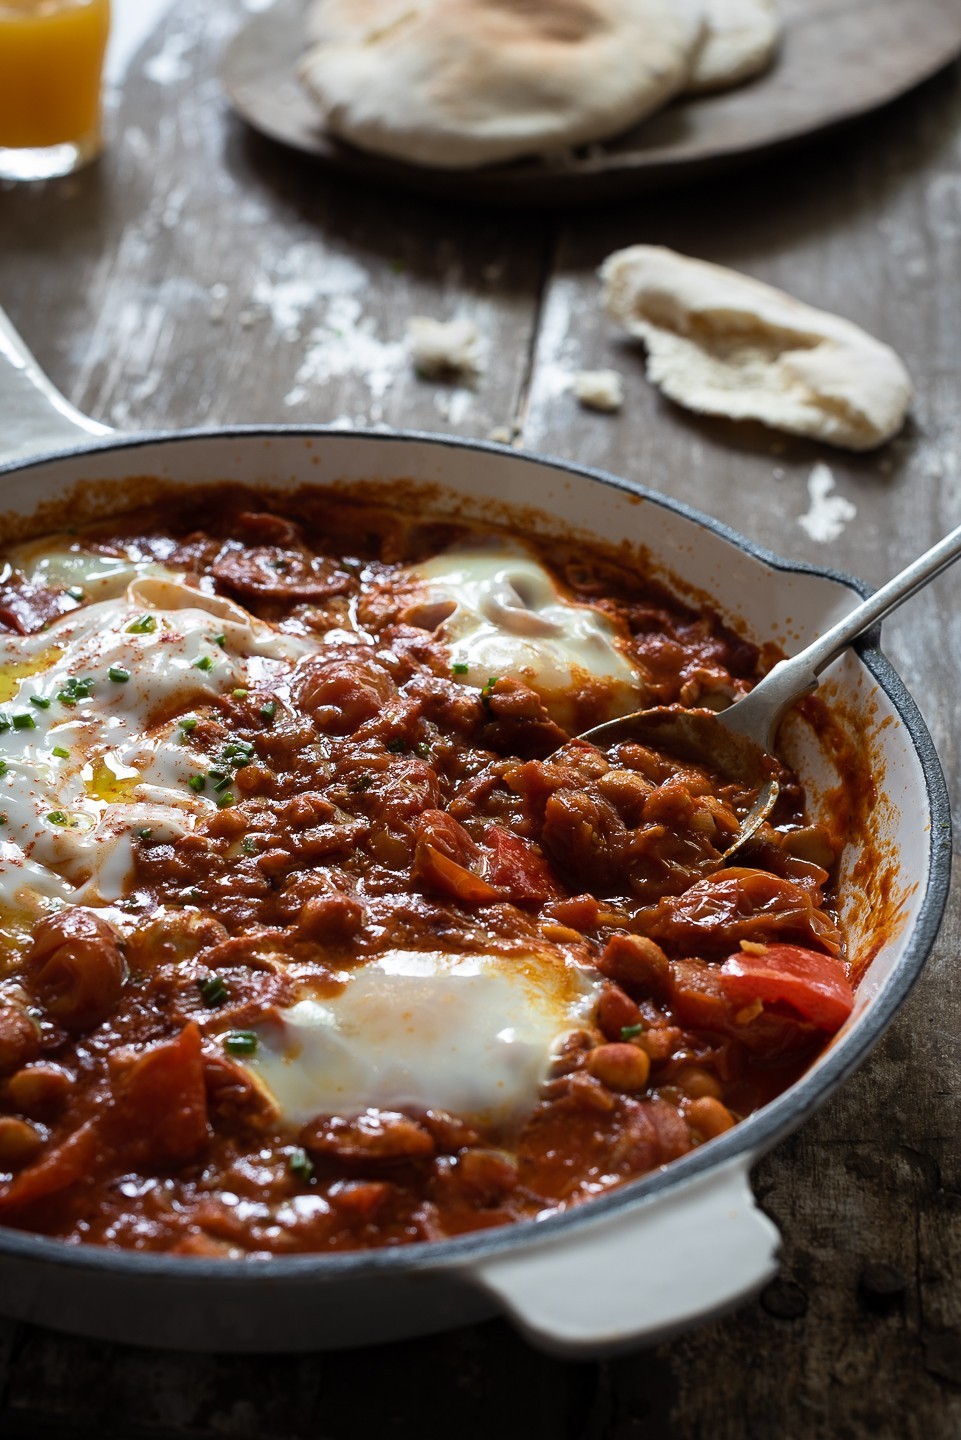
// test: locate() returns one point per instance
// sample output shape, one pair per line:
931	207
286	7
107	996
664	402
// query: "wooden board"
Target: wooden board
837	61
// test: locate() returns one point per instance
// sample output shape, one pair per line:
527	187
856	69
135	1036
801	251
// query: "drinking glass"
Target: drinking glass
51	70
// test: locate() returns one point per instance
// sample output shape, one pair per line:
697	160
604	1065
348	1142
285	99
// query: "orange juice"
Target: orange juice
51	60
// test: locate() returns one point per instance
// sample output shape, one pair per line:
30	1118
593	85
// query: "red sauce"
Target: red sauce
377	801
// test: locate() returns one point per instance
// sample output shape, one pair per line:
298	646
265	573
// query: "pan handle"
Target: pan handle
34	416
642	1274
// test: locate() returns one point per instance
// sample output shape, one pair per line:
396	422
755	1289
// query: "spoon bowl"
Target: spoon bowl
701	737
737	743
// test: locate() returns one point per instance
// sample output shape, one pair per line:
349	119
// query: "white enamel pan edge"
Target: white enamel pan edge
670	1250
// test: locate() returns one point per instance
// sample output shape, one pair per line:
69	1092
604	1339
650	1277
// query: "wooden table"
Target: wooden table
200	275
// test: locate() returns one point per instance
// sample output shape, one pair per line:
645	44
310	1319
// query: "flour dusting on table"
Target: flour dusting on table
829	513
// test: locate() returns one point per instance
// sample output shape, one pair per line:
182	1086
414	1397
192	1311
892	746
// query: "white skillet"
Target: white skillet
667	1251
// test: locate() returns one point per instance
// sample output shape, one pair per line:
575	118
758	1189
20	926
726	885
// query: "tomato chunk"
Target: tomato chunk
159	1117
810	982
60	1169
447	862
518	869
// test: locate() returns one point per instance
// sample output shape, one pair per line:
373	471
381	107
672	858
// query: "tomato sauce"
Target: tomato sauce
369	800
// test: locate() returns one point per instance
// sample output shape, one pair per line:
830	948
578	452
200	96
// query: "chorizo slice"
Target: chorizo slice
368	1143
75	969
275	572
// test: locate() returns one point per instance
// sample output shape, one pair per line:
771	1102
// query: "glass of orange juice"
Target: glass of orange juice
51	67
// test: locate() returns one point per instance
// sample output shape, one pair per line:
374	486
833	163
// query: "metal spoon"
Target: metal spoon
737	742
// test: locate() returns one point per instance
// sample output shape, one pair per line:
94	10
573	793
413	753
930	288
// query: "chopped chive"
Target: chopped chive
74	690
41	702
197	782
24	722
3	768
397	747
146	625
221	785
190	723
214	990
239	750
220	640
225	799
628	1032
240	1042
145	833
61	752
240	693
75	592
459	667
249	845
58	817
4	724
422	749
269	710
204	663
118	674
299	1164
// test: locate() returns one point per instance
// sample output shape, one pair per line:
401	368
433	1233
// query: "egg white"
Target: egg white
507	618
71	820
58	561
470	1034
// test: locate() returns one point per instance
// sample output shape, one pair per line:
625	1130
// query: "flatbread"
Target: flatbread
458	84
721	343
740	40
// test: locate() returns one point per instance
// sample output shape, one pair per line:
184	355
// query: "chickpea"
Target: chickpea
708	1117
39	1090
19	1142
227	825
275	862
697	1083
660	1041
255	780
635	962
620	1066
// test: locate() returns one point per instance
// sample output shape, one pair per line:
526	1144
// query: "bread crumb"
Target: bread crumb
444	349
599	390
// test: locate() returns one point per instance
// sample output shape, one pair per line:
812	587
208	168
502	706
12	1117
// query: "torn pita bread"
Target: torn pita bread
721	343
462	83
739	42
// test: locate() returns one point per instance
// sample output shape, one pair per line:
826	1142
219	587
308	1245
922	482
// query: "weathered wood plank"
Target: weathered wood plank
202	276
474	1381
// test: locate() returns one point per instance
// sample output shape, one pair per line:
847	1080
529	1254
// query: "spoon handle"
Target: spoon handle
759	713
